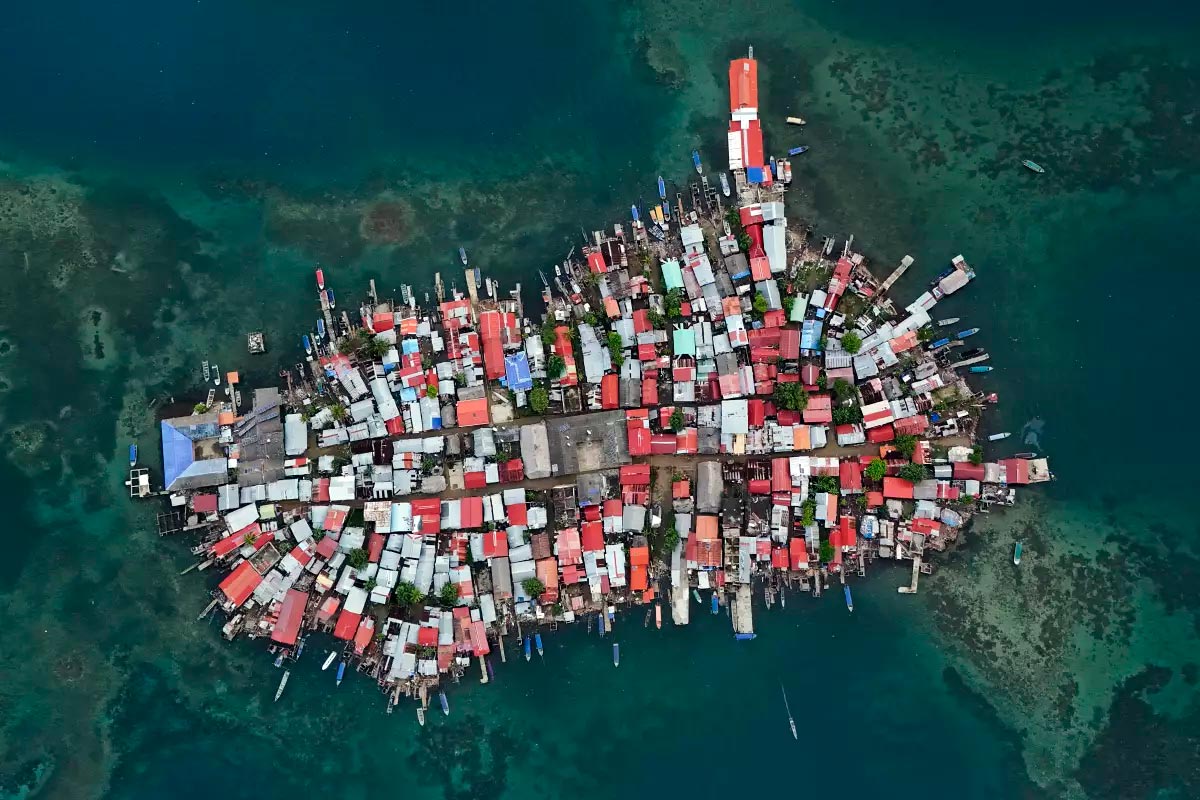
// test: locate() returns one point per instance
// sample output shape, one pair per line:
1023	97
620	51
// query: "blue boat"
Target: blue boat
795	151
601	617
616	654
133	454
849	599
774	168
341	672
744	637
696	161
445	703
662	188
666	209
478	277
716	607
981	369
966	333
634	210
528	648
462	254
320	327
537	642
491	671
940	343
307	344
329	296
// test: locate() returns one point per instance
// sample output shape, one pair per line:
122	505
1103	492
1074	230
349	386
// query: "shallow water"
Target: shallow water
171	174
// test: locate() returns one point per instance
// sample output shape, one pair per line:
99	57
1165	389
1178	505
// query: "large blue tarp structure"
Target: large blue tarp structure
177	453
516	372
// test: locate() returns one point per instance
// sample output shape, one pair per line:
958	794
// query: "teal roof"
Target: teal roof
685	342
672	275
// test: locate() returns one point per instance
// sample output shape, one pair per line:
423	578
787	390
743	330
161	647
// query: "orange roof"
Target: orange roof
231	377
472	412
639	555
241	583
637	578
801	438
743	83
225	418
611	308
706	527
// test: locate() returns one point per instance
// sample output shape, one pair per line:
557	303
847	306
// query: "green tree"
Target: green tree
406	594
670	540
847	415
925	334
200	408
656	319
876	470
357	558
843	390
808	513
339	412
614	349
822	382
448	596
790	396
591	319
539	399
743	240
826	552
674	304
977	455
431	390
913	472
826	483
548	333
851	342
759	305
376	347
734	219
556	366
906	444
677	420
533	587
788	303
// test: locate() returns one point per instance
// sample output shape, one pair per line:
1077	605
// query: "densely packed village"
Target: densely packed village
713	407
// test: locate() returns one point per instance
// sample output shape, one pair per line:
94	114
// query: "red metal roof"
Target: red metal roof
593	536
473	412
636	474
884	433
375	543
850	475
471	513
819	409
897	488
743	84
291	614
362	637
639	438
964	471
608	391
347	624
912	425
241	583
204	503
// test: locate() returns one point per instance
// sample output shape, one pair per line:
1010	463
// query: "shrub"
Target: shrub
851	342
539	399
556	366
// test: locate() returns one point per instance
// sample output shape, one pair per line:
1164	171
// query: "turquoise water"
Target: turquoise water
170	174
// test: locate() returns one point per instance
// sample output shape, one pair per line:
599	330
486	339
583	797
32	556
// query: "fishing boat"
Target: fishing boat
1025	455
537	642
341	672
791	722
616	654
696	594
967	332
995	437
974	351
795	151
279	660
528	648
849	599
662	188
462	255
796	121
491	671
216	375
205	370
445	703
329	297
421	716
945	340
612	614
300	648
696	161
320	279
945	323
600	617
633	210
724	185
716	608
307	345
1017	554
320	327
980	369
329	660
1033	165
282	683
658	616
133	454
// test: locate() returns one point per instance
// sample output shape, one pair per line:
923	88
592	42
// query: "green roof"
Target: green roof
672	275
685	342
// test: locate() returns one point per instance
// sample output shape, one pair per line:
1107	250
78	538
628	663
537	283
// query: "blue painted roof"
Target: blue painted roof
754	174
810	335
516	372
177	453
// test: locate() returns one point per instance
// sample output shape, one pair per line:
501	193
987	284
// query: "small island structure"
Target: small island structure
711	406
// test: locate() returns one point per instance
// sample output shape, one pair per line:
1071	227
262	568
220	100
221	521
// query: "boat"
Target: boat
341	672
537	642
445	703
216	375
1017	554
696	594
849	599
279	660
320	279
974	351
995	437
206	370
287	673
666	212
329	660
421	716
329	297
662	188
462	255
307	345
782	598
791	722
795	151
633	210
967	332
724	185
528	648
796	121
945	323
616	654
133	454
320	328
658	616
612	614
716	608
745	637
602	628
1025	455
696	161
1033	165
945	340
980	369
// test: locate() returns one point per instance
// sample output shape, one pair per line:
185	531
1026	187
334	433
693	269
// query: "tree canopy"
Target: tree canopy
556	366
790	396
448	596
614	349
906	444
913	472
539	399
842	390
677	420
760	305
406	594
357	558
674	304
977	454
847	415
851	342
826	552
876	470
533	587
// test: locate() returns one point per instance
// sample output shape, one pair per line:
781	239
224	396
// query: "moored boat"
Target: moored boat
216	375
995	437
1017	554
133	454
462	254
329	660
945	340
796	121
320	328
320	279
657	615
421	716
795	151
600	617
849	599
662	188
716	606
696	161
341	672
282	684
633	210
967	332
980	369
1033	165
307	344
696	594
329	297
528	648
537	642
445	703
791	722
724	185
943	323
616	654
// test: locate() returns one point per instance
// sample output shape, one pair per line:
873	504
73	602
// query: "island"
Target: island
708	404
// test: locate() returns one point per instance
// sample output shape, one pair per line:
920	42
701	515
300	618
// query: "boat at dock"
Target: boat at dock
329	660
216	371
945	323
206	370
849	599
662	188
421	716
341	672
320	328
1017	554
995	437
600	617
282	684
133	454
945	340
528	648
1025	455
980	369
307	345
462	255
724	185
795	151
616	654
657	616
1033	166
321	279
696	594
967	332
445	703
696	161
796	121
633	210
537	642
329	297
716	607
791	722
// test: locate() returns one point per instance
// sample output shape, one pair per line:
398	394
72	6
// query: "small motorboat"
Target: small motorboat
795	151
612	615
791	722
307	345
341	672
995	437
445	703
282	684
133	454
967	332
658	616
1017	554
279	660
1025	455
528	648
421	716
320	328
1033	166
462	255
945	323
716	606
849	599
945	340
329	660
491	672
662	188
616	654
696	162
696	594
216	375
329	297
537	642
974	351
633	210
321	279
724	185
600	617
796	121
980	369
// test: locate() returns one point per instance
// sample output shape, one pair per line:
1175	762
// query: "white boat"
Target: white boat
216	375
949	321
206	369
421	716
282	683
791	722
724	185
796	121
995	437
329	660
